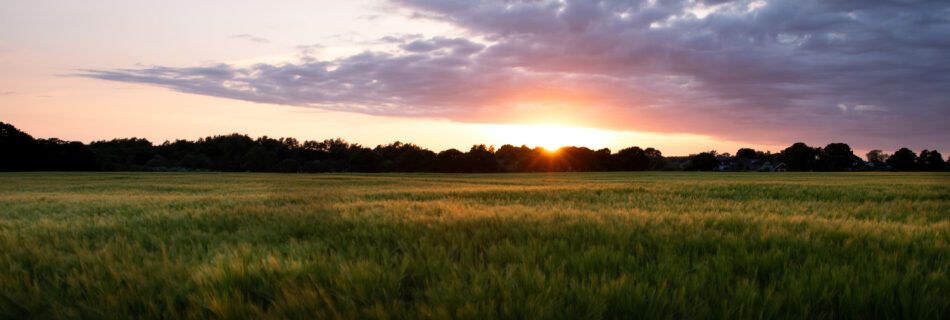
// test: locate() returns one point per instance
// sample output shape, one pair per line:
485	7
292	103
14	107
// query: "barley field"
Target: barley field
547	246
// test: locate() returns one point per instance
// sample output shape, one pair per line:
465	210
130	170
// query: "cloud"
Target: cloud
869	72
251	38
370	17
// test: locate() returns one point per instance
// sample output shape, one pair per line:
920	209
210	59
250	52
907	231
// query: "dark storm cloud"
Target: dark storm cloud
868	71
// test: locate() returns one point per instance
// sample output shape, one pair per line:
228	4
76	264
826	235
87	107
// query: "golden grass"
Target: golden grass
593	245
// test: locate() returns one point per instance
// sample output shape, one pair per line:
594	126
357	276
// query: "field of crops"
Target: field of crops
574	246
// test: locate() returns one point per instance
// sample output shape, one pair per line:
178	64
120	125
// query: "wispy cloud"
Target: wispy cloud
370	17
251	38
759	71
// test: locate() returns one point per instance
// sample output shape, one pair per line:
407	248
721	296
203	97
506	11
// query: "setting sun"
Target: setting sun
489	159
551	137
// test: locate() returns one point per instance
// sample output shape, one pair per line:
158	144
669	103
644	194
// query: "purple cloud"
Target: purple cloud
868	72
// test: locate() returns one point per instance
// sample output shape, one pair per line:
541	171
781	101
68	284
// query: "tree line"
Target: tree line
241	153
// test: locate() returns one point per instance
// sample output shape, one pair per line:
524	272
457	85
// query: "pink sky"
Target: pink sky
440	74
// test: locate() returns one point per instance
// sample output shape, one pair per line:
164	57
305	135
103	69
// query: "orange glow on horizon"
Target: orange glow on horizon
551	151
551	137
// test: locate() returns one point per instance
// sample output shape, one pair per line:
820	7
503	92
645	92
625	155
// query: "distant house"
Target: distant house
757	164
781	167
859	164
726	163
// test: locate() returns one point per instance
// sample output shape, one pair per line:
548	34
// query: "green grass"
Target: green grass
572	246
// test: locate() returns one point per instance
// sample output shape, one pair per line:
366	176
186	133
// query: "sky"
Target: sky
682	76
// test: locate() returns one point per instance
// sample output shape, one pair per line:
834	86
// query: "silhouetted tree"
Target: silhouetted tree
316	166
123	154
59	155
226	152
606	161
158	162
799	157
657	161
364	160
20	152
705	161
406	157
837	157
633	159
196	161
416	160
513	159
931	161
259	159
451	160
746	153
877	158
579	159
745	157
334	154
288	166
480	159
903	160
235	152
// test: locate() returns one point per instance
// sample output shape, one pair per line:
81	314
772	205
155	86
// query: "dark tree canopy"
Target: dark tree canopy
633	159
451	160
877	156
746	153
903	160
480	159
240	153
800	157
931	160
20	150
705	161
837	157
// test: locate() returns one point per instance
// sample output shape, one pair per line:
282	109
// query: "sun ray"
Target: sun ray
551	137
